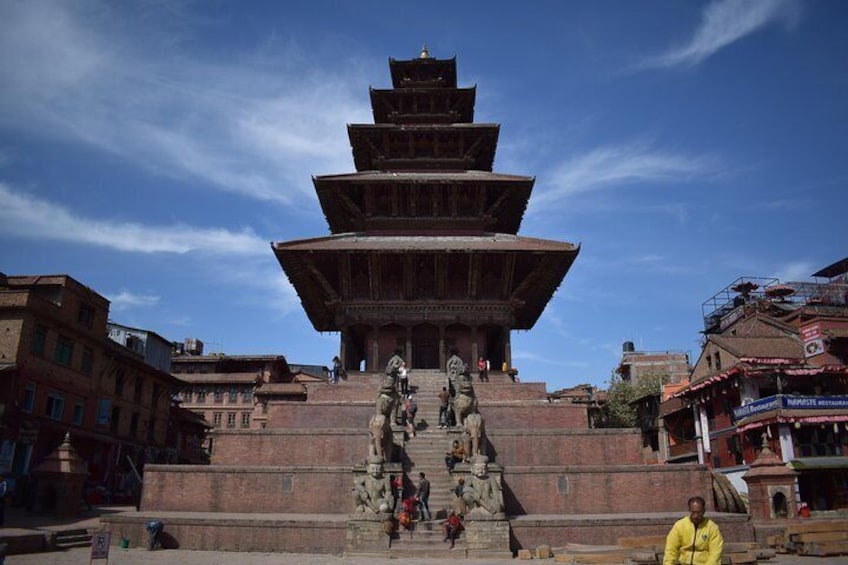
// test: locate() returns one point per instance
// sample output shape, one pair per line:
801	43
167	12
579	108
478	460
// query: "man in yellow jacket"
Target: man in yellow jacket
694	540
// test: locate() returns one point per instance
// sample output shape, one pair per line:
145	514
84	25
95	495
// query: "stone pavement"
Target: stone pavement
119	556
18	522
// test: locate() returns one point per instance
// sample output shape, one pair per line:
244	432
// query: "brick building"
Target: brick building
772	371
61	373
232	391
653	370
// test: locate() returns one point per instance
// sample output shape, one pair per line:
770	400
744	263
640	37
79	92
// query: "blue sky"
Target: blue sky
152	150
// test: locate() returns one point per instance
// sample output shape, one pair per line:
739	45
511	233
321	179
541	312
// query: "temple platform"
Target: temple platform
325	533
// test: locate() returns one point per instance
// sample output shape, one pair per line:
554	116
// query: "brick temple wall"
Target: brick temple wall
290	447
565	447
529	533
199	488
320	415
259	533
603	489
530	415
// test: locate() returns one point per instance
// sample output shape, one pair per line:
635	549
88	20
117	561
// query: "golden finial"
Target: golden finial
424	53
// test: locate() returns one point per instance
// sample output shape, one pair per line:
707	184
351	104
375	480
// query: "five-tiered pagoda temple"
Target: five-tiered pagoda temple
424	255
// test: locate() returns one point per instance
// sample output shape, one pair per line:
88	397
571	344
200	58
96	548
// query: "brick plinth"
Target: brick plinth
367	536
603	489
290	447
569	447
247	489
326	415
534	415
487	538
234	532
532	531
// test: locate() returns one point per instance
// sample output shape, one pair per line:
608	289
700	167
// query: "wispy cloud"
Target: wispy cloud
25	216
546	359
617	166
723	23
125	300
794	271
236	124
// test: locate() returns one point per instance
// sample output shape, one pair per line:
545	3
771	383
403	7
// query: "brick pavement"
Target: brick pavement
119	556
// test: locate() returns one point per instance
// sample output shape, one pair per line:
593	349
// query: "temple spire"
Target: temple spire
424	53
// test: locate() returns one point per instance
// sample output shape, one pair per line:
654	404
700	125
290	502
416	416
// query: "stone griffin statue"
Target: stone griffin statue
372	494
454	367
482	493
465	402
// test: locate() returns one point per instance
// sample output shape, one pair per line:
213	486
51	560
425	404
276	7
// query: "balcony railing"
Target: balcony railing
790	402
683	448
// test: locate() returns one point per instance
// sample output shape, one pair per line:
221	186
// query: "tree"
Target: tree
618	412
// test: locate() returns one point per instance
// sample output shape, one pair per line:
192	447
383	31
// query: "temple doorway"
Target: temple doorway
494	349
425	347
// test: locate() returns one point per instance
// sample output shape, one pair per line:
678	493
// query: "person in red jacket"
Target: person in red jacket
452	526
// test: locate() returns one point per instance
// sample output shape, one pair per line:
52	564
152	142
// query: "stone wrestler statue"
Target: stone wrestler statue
482	493
372	494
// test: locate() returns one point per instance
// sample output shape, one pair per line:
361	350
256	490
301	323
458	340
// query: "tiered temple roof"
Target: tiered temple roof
424	231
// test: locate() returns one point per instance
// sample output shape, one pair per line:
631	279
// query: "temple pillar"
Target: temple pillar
474	348
343	347
375	349
408	353
507	348
442	359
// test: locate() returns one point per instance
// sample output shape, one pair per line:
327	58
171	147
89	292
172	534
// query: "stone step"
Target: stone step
67	539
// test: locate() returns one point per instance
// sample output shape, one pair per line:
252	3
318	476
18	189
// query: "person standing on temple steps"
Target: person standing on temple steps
424	497
403	379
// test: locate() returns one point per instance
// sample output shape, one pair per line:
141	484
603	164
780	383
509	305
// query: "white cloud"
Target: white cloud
616	166
92	74
794	271
547	360
22	215
125	300
723	23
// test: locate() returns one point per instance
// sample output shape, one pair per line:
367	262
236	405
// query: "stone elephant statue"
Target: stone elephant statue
474	435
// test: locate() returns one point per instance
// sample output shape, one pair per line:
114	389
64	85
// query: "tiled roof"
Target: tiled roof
493	243
774	347
424	177
217	378
280	388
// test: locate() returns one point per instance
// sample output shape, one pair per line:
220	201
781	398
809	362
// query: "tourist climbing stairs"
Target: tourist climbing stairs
425	452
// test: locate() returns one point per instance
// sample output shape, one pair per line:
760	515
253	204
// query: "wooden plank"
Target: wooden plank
641	541
596	558
739	558
824	549
817	526
764	553
740	546
821	536
644	557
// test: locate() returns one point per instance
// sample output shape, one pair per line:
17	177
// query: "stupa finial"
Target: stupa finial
424	53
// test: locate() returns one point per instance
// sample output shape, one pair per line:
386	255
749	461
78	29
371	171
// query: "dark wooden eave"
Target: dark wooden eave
423	105
456	147
428	72
535	268
430	201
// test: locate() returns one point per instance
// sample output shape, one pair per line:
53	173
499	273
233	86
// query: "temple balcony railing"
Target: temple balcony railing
682	448
789	406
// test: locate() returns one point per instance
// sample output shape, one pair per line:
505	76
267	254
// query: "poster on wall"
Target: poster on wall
813	340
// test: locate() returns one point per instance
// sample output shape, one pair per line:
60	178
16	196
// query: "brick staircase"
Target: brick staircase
426	453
